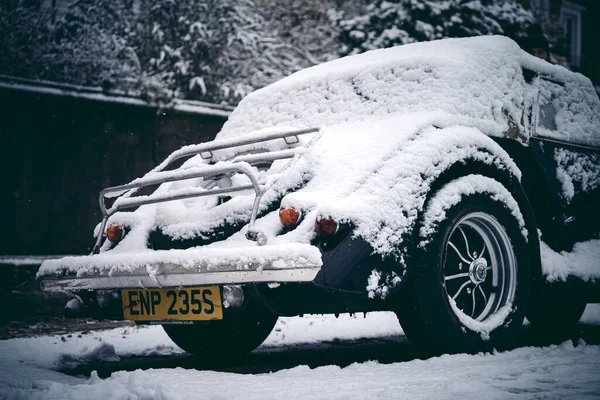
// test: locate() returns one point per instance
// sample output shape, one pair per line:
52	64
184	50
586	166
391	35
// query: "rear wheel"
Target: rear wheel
238	333
470	283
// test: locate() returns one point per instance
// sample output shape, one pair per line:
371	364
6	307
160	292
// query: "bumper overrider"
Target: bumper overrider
179	268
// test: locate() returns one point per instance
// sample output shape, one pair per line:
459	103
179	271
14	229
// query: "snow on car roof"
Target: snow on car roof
479	80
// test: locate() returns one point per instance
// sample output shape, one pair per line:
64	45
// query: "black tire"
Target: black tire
238	333
426	314
556	307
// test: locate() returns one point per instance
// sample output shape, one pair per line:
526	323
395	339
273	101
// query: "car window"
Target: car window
547	109
567	111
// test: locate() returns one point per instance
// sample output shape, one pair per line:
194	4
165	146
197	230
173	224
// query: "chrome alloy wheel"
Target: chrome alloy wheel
480	268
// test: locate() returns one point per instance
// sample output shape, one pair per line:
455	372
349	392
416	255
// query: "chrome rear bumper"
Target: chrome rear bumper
178	268
70	284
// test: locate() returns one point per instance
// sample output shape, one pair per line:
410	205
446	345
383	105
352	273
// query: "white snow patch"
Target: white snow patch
291	331
53	352
373	284
292	255
453	192
566	370
487	325
563	371
568	109
376	287
104	352
71	349
576	172
583	261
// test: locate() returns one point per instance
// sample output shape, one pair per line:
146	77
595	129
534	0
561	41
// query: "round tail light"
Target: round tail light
289	216
326	226
114	233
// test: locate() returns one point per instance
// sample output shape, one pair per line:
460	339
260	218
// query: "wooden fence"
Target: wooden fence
61	145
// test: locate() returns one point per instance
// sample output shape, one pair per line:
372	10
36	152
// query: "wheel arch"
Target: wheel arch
443	155
510	180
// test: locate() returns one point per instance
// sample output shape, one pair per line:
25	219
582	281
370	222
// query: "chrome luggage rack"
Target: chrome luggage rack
241	164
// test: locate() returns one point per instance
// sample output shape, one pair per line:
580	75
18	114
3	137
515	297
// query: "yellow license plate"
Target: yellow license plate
184	304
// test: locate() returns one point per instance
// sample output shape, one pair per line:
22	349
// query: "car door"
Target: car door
565	143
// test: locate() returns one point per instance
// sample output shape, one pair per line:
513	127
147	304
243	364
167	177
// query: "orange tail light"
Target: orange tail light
289	216
114	233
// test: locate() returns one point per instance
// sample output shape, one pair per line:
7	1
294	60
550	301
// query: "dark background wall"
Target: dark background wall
590	35
58	152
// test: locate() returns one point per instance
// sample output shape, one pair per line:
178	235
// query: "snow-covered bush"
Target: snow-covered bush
212	50
396	22
73	48
221	50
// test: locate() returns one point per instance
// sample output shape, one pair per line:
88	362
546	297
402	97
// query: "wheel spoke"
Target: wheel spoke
458	252
473	299
483	260
460	289
463	274
466	241
484	296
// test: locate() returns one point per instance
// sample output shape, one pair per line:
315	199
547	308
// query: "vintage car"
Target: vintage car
454	182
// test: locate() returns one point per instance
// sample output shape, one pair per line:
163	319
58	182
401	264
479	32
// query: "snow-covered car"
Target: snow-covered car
454	182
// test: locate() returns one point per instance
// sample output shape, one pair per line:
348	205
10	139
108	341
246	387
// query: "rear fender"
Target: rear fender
431	158
489	159
508	177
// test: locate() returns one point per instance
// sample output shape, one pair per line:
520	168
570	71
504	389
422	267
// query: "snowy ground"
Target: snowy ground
29	367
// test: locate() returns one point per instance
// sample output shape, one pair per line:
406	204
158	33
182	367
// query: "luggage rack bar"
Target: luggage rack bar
240	164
